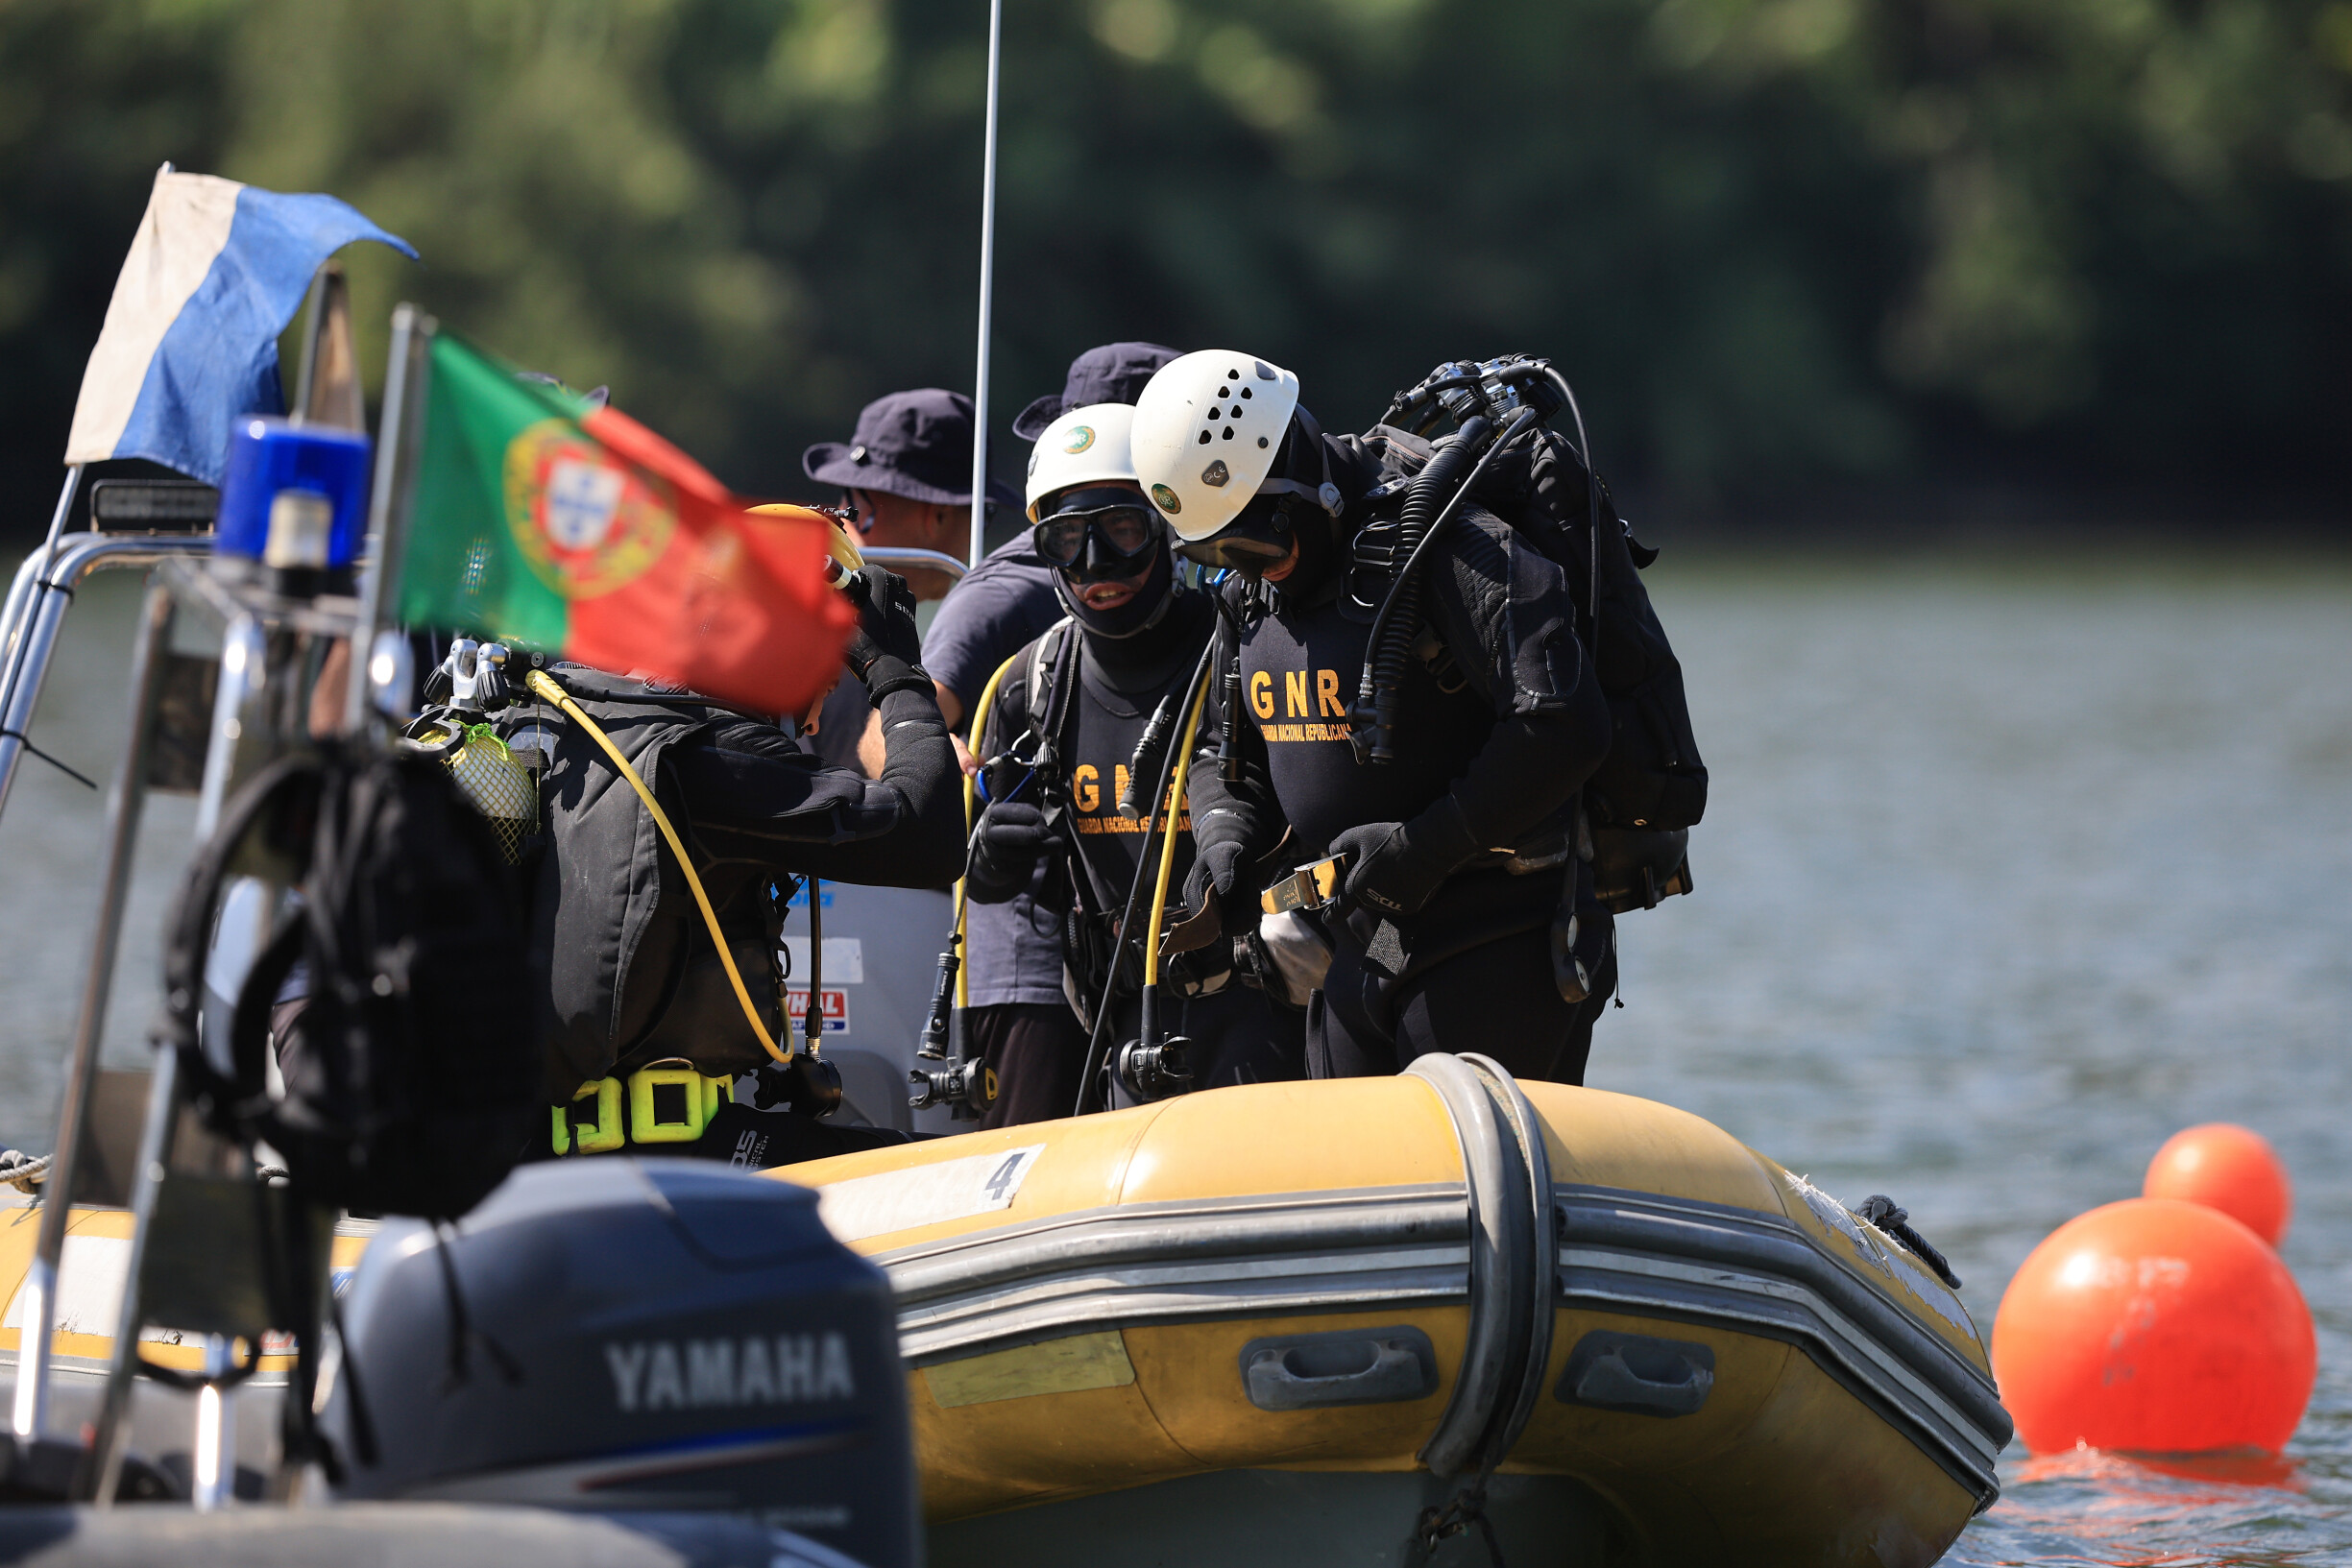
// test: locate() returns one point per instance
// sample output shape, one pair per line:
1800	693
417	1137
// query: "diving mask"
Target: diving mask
1120	523
1256	543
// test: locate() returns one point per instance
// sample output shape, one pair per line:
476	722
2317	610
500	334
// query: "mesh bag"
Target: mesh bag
497	786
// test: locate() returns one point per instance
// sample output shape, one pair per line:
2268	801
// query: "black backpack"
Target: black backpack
412	1074
1650	789
1652	777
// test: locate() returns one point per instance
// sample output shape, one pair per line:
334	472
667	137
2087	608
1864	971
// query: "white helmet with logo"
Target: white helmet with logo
1084	447
1207	429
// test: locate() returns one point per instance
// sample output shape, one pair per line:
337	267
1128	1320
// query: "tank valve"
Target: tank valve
1154	1072
962	1086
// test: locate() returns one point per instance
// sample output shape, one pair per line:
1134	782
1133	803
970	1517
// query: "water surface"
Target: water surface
2009	872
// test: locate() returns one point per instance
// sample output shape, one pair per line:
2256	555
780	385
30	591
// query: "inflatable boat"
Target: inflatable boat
1352	1321
1368	1321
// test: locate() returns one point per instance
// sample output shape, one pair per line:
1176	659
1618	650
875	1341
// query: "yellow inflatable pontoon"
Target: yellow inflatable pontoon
1410	1320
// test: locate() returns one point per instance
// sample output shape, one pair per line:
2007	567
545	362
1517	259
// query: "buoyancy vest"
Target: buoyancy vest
620	958
1650	789
1652	777
1097	710
1100	708
1082	716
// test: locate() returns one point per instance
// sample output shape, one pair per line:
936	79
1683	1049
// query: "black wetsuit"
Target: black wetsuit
1506	720
623	954
1238	1036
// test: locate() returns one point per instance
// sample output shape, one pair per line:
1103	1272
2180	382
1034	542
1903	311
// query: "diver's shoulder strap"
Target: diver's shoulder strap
1041	661
1052	672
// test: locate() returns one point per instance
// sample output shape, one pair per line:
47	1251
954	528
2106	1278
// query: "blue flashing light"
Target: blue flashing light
295	497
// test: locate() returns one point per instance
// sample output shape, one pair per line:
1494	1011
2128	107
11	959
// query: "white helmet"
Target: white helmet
1207	429
1084	446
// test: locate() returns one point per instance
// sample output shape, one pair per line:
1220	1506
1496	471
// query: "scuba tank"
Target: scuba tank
1493	406
1650	789
470	684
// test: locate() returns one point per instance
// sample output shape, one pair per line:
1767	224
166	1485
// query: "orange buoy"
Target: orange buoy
2154	1326
2228	1168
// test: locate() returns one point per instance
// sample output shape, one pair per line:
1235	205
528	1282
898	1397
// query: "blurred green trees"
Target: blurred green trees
1773	241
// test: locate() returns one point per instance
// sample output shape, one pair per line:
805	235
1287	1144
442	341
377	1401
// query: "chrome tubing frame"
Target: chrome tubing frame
36	571
33	616
125	798
39	600
34	565
899	556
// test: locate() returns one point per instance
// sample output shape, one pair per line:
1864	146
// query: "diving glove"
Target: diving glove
1216	868
1394	867
885	649
1010	840
1203	972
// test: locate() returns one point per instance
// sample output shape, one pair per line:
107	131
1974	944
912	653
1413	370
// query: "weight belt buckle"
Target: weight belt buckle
1309	888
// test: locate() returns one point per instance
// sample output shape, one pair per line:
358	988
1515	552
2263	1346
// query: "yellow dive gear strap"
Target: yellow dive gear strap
1168	832
541	683
979	723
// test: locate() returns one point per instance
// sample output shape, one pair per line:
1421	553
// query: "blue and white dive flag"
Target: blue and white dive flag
215	273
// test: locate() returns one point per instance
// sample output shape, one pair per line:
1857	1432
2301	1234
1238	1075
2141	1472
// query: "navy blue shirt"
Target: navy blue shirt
1004	605
1001	608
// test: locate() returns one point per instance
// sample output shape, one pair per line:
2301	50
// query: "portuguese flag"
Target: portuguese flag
544	523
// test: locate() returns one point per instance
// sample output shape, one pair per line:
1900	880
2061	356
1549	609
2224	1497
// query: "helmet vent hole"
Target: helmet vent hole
1233	375
1245	391
1228	392
1212	413
1228	432
1204	438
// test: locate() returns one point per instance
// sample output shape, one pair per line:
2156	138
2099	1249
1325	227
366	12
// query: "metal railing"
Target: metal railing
35	616
898	558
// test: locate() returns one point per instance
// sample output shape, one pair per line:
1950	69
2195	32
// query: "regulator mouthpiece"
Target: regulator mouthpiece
1156	1071
808	1085
963	1086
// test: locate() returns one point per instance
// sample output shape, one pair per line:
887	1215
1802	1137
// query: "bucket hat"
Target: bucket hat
1114	372
916	445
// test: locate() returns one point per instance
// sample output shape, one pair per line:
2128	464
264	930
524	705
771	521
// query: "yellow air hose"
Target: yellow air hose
541	683
1168	832
979	724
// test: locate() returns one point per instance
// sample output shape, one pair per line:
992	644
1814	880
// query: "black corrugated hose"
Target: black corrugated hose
1372	724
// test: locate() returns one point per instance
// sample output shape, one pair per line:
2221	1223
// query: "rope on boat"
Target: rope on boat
1465	1511
24	1171
26	741
1891	1218
29	1172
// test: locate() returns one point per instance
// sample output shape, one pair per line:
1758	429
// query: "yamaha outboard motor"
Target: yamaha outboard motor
620	1333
